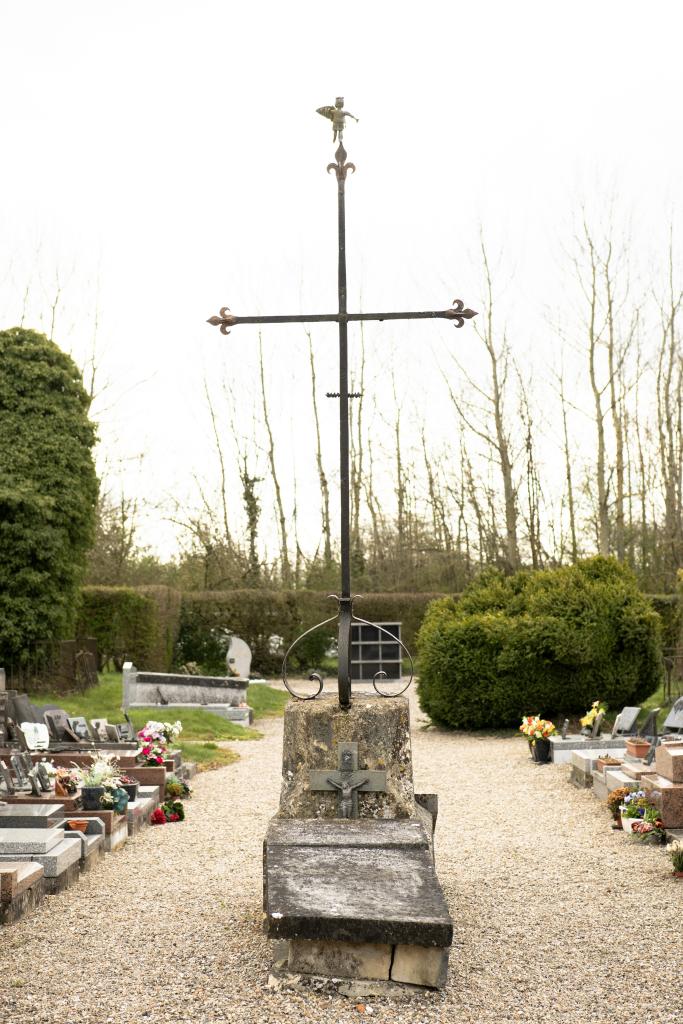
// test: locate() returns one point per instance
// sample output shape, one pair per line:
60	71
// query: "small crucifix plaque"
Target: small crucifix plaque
348	780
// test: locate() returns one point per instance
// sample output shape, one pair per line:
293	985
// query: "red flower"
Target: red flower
174	817
158	817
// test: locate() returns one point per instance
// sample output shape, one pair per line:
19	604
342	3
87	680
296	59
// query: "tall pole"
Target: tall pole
345	605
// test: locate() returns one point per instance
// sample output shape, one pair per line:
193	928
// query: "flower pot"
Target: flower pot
541	751
637	747
677	874
77	824
131	789
603	762
628	823
91	796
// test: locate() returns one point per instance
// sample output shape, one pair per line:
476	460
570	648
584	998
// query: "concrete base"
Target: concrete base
363	961
118	835
22	887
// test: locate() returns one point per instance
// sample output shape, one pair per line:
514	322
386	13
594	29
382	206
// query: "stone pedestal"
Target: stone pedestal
349	882
312	732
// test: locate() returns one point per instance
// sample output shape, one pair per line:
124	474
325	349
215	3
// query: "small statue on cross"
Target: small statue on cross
336	115
346	790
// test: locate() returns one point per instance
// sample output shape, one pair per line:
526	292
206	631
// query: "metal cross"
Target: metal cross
227	320
348	780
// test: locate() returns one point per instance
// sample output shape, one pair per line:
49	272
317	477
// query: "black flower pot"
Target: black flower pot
91	796
541	751
131	789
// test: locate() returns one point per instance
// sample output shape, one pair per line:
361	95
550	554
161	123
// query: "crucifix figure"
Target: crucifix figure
458	313
348	780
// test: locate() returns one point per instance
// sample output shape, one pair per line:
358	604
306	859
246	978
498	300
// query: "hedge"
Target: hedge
548	642
137	624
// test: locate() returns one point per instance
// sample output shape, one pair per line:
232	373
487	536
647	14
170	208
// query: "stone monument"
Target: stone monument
349	878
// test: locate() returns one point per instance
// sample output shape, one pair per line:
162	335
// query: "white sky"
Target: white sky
165	159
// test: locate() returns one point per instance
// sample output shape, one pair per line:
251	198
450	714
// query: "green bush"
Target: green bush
548	642
48	492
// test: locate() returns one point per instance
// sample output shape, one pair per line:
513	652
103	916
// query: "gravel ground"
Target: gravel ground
557	918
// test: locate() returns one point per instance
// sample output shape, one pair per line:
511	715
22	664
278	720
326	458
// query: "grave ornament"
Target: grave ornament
226	320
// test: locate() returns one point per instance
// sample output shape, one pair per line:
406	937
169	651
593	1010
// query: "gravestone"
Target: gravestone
99	727
79	726
57	722
37	735
673	723
625	722
6	778
238	658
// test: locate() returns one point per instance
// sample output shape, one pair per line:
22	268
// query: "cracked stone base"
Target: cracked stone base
422	966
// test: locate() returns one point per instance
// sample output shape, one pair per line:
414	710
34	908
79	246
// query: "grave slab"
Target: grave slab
616	779
30	840
31	816
637	771
561	750
359	881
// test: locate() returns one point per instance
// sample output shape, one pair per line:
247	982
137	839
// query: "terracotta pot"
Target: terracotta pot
677	874
638	747
77	825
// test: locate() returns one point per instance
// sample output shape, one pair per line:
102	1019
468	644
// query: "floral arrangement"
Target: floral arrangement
153	745
102	771
649	831
595	709
114	799
66	781
171	810
616	799
536	728
126	780
639	805
177	788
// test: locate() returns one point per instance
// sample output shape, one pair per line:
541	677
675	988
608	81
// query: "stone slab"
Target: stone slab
561	750
31	816
418	965
353	881
638	770
616	779
149	793
669	761
600	789
29	840
670	799
312	732
340	959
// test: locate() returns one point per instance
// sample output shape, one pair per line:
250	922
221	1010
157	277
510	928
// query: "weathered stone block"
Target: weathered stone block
312	731
353	881
29	840
420	965
31	816
669	796
669	761
340	959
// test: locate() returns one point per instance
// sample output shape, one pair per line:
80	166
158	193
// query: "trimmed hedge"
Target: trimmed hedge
548	642
138	624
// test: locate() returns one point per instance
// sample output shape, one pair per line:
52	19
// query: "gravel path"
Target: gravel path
557	918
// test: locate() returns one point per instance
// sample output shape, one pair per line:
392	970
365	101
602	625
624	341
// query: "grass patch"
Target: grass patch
208	755
266	701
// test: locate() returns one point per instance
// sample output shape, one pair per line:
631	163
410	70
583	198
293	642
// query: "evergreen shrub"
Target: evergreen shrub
548	642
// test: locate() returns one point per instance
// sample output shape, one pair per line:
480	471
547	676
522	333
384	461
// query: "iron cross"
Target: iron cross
227	320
